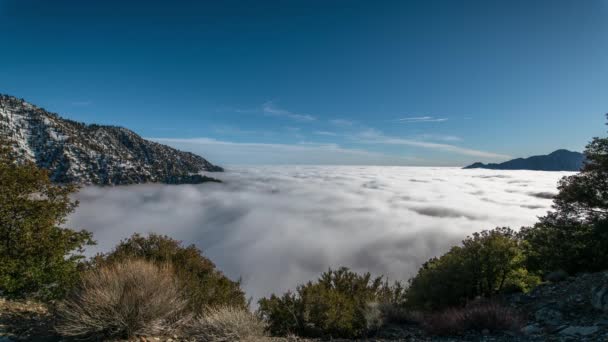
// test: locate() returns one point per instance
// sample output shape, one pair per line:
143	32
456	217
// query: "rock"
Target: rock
548	316
532	329
599	297
579	331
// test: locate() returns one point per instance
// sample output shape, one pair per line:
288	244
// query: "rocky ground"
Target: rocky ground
569	309
573	309
25	321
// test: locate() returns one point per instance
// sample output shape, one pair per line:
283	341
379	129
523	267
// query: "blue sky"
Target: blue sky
320	82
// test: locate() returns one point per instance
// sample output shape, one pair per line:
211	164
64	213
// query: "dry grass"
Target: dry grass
122	300
474	317
226	324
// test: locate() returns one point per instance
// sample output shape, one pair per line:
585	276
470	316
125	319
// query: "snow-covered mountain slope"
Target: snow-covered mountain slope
93	154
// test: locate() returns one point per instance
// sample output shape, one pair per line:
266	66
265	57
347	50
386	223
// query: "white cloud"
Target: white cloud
269	108
372	136
278	227
421	119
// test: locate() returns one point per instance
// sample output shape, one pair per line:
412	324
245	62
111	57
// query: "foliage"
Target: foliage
476	316
334	306
225	323
122	300
38	257
202	283
574	236
486	264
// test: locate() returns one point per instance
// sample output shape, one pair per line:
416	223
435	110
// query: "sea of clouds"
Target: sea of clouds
277	227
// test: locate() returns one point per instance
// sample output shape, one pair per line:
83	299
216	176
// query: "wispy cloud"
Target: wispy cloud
341	122
270	108
229	152
326	133
439	137
416	119
372	136
231	130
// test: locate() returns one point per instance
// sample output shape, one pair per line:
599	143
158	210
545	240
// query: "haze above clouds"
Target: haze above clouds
277	227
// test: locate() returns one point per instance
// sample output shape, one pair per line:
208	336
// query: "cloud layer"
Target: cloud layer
277	227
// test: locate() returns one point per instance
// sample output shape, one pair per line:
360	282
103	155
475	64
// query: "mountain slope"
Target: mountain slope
93	154
560	160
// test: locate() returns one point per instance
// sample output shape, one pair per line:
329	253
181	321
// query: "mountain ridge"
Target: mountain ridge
76	152
559	160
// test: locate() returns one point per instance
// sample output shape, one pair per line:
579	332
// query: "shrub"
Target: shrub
200	281
556	276
121	300
334	306
38	258
574	236
486	264
571	246
478	316
397	313
222	324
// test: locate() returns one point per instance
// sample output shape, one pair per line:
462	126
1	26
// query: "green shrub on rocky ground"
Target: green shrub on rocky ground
200	281
486	264
336	305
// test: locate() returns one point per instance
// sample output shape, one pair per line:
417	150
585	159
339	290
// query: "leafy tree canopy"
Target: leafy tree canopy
38	257
574	236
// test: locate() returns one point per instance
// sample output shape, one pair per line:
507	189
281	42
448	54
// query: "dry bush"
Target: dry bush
476	316
374	319
121	300
226	324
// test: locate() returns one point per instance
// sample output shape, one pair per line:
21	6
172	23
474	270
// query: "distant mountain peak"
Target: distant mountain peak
93	154
559	160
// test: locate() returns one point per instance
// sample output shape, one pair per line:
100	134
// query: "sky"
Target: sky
319	81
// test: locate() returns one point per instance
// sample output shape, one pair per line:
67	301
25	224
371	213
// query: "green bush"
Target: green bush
334	306
572	247
198	277
574	236
38	258
486	264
